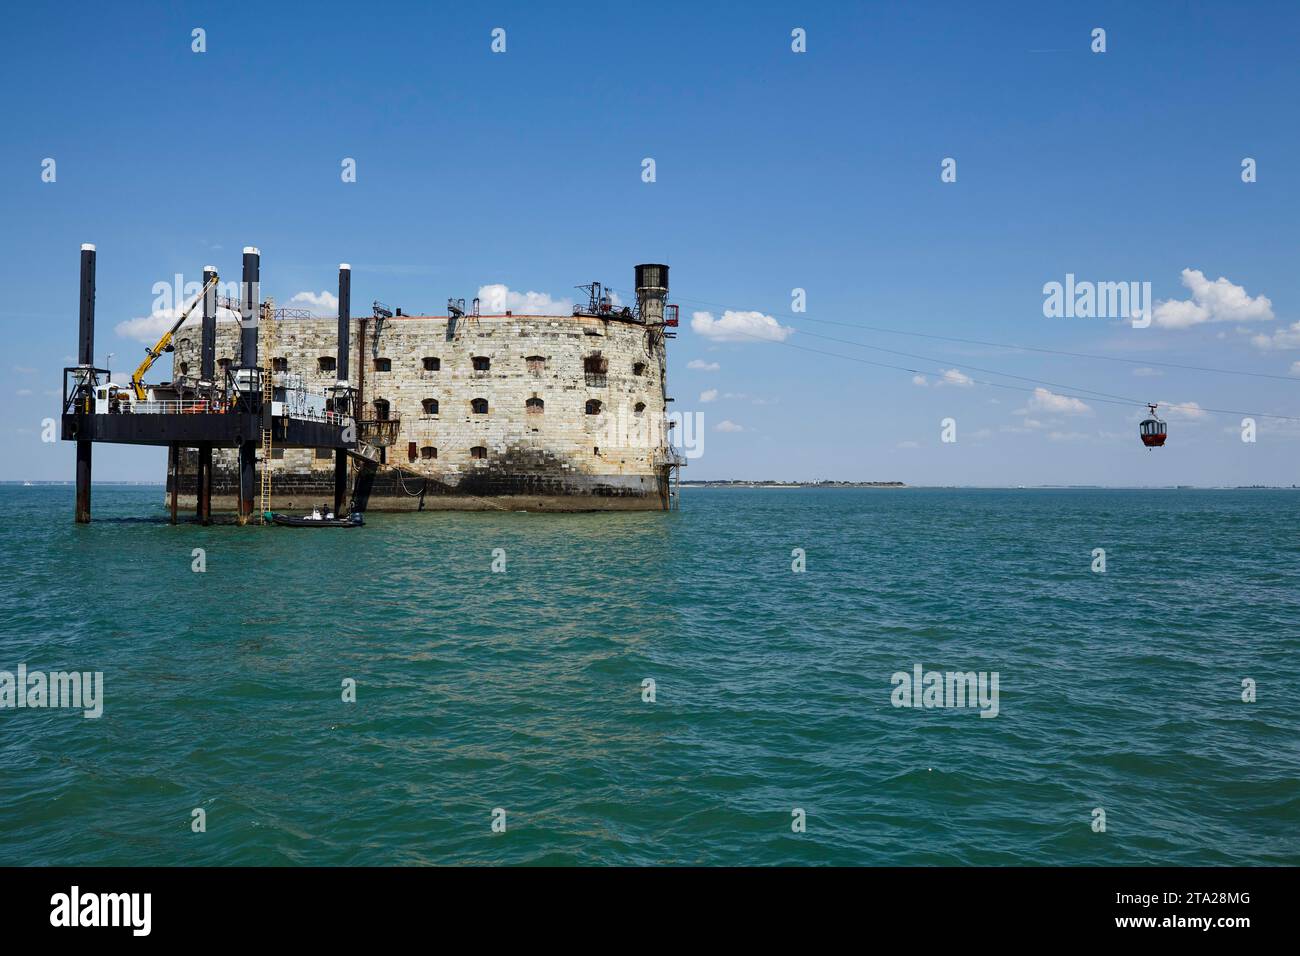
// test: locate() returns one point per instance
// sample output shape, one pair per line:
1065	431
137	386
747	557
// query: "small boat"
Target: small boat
318	520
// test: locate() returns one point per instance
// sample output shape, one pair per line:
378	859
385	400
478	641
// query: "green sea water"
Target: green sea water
523	690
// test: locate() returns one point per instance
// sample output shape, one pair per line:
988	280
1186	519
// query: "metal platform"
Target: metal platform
225	419
220	431
244	408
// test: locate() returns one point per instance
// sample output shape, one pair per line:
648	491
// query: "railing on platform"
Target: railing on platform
173	407
380	432
329	418
205	407
228	396
671	457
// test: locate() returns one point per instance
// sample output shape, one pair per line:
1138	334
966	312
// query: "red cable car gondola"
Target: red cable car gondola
1152	430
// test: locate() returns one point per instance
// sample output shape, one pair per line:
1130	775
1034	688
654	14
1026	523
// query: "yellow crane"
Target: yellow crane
151	355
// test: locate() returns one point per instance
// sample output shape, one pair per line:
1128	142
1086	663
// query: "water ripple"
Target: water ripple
523	690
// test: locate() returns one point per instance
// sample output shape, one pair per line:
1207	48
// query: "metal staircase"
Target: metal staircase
672	461
365	451
373	435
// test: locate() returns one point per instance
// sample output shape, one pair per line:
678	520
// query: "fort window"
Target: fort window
430	406
594	369
478	451
479	406
326	363
639	408
534	406
482	363
593	406
381	409
383	365
223	366
279	365
324	453
277	454
428	451
432	364
184	367
638	368
536	364
410	451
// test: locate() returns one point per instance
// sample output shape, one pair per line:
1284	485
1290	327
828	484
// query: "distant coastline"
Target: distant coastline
35	483
769	483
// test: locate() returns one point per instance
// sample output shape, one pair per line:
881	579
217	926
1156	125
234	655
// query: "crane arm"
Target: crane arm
151	355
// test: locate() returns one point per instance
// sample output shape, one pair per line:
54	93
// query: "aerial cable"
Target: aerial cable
1006	345
1107	399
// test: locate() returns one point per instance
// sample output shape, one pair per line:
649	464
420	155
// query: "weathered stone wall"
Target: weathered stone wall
549	455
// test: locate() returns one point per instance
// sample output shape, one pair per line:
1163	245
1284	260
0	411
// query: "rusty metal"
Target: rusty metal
380	432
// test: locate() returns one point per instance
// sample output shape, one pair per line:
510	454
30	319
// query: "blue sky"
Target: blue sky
774	171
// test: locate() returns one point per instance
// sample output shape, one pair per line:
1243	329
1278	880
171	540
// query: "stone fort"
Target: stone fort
472	411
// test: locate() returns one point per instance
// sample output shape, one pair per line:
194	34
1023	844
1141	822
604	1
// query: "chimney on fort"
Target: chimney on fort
651	292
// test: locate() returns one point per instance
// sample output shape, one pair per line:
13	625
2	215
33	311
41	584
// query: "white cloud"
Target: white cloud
920	380
701	366
1190	411
24	391
952	376
1028	425
497	298
1066	436
1288	338
1217	301
323	303
1295	368
1048	402
1145	372
739	327
727	425
149	328
712	393
909	444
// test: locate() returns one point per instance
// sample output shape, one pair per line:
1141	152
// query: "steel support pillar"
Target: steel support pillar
86	357
203	486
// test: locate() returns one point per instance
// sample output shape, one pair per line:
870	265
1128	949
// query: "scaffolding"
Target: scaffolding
267	333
